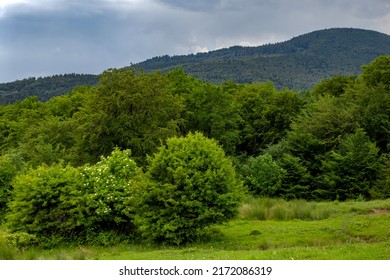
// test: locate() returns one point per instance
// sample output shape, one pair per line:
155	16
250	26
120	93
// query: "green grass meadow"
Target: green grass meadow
271	229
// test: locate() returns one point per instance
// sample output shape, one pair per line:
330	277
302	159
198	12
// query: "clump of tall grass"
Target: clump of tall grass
263	208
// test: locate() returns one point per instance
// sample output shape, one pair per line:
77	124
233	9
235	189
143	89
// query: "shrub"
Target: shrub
106	197
17	240
190	185
42	203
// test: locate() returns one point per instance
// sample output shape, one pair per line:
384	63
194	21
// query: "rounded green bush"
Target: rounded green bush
190	184
42	204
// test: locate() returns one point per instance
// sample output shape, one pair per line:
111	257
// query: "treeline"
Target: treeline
45	88
58	171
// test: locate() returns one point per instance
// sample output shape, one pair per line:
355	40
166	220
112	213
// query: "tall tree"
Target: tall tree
353	169
377	72
129	110
267	114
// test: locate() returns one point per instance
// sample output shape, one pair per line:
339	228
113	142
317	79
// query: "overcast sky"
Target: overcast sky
46	37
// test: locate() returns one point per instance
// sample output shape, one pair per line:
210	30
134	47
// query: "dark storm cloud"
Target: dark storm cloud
44	37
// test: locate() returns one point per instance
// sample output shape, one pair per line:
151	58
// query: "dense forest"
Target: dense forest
164	155
296	64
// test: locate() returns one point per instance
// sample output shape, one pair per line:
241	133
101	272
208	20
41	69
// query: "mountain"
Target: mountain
297	64
44	88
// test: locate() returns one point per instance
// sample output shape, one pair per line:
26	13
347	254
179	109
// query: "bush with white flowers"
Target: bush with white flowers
106	196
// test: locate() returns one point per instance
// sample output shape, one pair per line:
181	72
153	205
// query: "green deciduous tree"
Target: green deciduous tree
263	175
335	86
211	111
377	72
128	110
374	114
267	114
48	141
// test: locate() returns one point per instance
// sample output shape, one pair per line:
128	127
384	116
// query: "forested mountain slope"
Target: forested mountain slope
297	64
44	88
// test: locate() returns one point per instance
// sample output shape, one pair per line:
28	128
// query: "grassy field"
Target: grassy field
266	229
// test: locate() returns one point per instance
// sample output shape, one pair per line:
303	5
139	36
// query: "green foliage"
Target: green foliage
17	240
296	181
374	113
61	204
266	113
41	132
16	119
335	86
106	193
377	72
43	200
189	186
263	175
352	170
10	166
320	126
212	111
209	109
66	105
48	141
128	110
381	189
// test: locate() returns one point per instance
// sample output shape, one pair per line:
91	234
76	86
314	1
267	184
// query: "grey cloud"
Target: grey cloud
60	36
361	8
195	5
59	39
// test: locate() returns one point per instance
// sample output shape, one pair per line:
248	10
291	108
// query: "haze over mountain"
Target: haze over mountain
297	64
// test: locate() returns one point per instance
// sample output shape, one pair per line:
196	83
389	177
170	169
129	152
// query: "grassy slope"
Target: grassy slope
351	232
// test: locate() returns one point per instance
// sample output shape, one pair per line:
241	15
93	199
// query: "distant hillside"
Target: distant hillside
44	88
298	63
